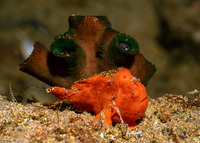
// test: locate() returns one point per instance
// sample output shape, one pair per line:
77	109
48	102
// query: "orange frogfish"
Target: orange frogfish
107	93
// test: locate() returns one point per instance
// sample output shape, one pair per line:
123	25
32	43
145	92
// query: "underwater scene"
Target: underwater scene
100	71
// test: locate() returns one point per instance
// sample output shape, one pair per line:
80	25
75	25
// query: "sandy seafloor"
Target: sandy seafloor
171	118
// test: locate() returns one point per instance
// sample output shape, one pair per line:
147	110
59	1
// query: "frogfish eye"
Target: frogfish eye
127	44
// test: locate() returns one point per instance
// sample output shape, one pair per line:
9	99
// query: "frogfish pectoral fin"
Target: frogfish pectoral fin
60	92
105	116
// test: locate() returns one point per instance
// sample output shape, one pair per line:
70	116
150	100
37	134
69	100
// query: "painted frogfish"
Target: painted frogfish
106	93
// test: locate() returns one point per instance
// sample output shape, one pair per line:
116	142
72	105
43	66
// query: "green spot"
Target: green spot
63	46
127	44
70	51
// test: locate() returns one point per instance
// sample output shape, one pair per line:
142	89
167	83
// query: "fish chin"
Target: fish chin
144	103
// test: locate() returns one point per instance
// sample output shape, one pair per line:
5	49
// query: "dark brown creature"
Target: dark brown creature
89	47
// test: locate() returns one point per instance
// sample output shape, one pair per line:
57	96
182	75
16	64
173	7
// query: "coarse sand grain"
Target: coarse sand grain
171	118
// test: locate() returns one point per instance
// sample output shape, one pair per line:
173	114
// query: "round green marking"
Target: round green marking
127	44
64	47
70	51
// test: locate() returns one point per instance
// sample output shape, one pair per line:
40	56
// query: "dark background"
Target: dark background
168	32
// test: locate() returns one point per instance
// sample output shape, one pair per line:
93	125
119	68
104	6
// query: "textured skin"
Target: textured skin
88	47
98	93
